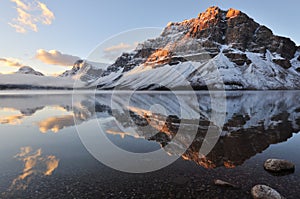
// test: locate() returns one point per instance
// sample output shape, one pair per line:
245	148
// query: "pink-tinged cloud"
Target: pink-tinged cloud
30	15
113	52
120	46
55	57
10	62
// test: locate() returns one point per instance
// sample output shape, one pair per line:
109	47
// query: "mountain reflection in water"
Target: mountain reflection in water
254	120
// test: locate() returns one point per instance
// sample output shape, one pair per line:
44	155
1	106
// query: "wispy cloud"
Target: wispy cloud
10	62
113	52
47	15
55	57
121	46
30	15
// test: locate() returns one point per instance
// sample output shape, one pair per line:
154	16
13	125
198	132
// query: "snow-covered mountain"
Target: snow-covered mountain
72	72
27	78
85	71
30	81
79	76
28	70
216	47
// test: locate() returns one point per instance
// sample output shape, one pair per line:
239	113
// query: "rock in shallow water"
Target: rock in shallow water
265	192
276	165
224	184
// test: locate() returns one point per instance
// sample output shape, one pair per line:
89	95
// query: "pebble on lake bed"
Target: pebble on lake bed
265	192
277	165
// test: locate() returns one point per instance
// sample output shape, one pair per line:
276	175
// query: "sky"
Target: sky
50	35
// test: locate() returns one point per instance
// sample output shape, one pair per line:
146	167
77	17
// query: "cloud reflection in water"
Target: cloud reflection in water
35	164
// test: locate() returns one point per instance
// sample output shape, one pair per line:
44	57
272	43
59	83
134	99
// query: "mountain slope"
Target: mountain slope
216	47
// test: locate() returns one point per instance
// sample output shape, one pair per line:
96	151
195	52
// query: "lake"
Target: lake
60	144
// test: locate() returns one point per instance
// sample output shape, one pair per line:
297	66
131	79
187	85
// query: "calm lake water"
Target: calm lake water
44	150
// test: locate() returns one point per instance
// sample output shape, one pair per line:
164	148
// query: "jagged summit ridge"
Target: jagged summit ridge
234	28
247	55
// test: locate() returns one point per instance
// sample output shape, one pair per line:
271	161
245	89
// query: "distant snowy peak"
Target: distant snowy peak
84	70
247	55
76	67
28	70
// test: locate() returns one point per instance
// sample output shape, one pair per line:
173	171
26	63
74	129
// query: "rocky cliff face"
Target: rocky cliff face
240	48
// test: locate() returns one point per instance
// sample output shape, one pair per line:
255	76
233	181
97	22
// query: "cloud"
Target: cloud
113	52
55	57
10	62
30	15
121	46
21	4
47	16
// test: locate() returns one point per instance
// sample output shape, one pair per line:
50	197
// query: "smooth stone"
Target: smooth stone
277	165
224	184
265	192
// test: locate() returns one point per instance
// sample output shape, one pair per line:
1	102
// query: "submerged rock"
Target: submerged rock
224	184
277	165
265	192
